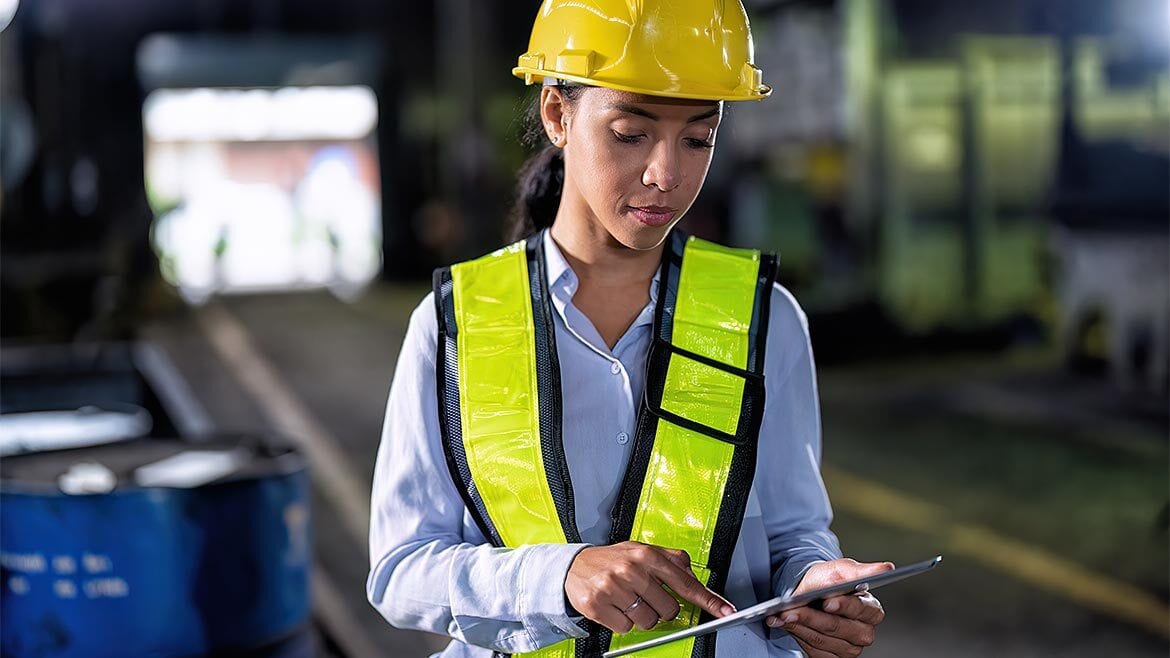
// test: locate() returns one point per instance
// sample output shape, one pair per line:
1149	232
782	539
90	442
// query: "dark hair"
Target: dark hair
541	177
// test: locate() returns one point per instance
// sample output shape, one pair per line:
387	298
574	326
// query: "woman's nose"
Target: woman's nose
662	169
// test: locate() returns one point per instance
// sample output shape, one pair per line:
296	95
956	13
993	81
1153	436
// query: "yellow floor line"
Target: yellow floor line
330	469
1026	563
332	473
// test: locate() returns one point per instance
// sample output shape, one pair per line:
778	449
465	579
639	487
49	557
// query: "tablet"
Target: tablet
782	603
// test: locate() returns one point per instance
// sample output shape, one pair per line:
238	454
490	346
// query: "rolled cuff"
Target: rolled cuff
541	595
789	577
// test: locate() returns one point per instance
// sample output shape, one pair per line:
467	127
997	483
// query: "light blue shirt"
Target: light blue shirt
433	570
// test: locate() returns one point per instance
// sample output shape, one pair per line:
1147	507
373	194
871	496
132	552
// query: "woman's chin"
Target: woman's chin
638	236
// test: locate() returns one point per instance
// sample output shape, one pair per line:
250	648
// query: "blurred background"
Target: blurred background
217	215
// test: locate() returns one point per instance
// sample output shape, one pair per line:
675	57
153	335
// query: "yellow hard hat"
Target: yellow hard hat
698	49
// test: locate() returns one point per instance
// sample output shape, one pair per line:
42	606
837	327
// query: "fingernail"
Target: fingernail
832	606
727	610
789	618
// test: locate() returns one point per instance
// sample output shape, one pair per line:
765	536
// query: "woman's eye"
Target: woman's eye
627	139
699	143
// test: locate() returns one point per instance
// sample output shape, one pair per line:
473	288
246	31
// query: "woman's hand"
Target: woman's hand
620	586
845	624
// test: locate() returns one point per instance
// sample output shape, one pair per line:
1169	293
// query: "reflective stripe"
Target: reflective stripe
683	487
712	317
498	396
497	370
566	649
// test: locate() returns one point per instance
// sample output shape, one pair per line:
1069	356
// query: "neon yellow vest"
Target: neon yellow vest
694	451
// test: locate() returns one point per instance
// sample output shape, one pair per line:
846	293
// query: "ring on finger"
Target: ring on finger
637	602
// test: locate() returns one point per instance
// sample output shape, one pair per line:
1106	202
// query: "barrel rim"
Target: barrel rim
286	457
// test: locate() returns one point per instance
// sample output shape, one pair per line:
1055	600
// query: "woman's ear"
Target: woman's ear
553	115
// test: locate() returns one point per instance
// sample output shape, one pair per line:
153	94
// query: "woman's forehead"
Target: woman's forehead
617	99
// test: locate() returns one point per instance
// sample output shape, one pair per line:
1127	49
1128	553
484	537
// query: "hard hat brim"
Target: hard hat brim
535	76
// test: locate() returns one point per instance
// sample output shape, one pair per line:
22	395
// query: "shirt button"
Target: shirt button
615	367
623	438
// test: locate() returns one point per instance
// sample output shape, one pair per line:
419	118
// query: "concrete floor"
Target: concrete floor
337	359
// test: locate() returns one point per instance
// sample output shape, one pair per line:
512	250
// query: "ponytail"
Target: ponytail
538	192
541	177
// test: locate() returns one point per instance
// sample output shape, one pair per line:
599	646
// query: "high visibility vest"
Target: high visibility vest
694	451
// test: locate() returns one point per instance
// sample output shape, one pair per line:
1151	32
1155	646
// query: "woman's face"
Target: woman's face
635	163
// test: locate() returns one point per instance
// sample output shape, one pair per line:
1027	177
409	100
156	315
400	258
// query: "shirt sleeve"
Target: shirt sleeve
793	499
427	571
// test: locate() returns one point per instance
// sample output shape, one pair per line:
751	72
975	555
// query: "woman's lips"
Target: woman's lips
653	215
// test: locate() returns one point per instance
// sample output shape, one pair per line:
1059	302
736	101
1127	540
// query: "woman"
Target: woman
586	442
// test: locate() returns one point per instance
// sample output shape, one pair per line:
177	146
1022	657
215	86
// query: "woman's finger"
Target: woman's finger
613	619
684	583
677	556
661	600
812	639
847	630
864	608
813	652
642	614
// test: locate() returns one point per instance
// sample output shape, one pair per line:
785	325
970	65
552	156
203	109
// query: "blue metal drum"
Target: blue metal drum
183	567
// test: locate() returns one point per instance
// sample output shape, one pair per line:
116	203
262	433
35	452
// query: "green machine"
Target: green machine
933	196
966	155
920	257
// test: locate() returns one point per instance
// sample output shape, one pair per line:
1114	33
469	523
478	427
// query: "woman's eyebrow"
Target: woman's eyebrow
634	109
704	115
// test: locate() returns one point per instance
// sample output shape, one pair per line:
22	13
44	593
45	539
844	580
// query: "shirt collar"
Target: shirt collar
556	266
